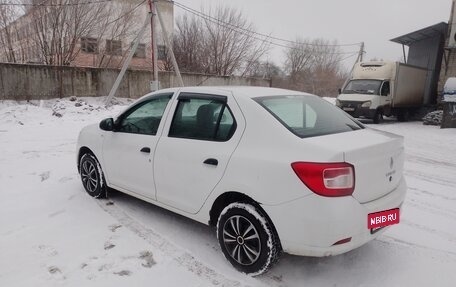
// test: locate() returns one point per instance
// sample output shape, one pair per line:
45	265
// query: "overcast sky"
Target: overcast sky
374	22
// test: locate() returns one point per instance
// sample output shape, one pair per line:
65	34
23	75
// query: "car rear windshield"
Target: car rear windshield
308	116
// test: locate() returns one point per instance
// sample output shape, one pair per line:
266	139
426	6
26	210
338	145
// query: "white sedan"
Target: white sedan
274	170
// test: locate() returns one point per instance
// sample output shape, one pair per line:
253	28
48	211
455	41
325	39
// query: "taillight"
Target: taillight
327	179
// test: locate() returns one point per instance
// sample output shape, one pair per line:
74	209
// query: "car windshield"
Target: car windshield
308	116
363	87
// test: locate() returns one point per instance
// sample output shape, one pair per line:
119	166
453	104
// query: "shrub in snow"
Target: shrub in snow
433	118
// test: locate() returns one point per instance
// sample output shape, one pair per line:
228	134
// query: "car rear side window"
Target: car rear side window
308	116
202	119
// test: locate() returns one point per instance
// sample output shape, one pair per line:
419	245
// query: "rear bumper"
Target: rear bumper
311	225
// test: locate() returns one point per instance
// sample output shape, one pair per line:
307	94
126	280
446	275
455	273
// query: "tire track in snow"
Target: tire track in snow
430	208
428	161
182	257
441	234
425	192
430	178
394	241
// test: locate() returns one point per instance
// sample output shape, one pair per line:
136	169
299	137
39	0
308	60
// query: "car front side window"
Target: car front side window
202	119
145	117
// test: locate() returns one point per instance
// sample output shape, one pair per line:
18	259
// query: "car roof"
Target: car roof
248	91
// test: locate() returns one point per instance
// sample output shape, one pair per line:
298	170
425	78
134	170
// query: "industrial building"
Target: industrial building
26	39
433	48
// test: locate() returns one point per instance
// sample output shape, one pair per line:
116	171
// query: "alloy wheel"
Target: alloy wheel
241	240
89	176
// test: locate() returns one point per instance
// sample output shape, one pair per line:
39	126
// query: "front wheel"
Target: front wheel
92	176
378	117
247	238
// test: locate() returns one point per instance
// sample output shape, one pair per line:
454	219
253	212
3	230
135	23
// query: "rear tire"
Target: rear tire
92	176
247	238
403	115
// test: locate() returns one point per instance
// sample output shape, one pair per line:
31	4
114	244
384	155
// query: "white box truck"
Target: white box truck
383	88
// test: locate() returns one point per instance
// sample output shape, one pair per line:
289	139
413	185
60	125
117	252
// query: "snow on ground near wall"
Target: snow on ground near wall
331	100
53	234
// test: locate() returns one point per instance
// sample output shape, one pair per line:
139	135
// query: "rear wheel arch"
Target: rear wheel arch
229	197
251	245
224	200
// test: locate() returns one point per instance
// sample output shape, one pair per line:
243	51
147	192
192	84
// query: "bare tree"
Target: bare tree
299	58
189	45
120	22
58	27
265	70
50	31
315	66
8	14
221	43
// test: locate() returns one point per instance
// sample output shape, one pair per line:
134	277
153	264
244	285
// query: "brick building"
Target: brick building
22	40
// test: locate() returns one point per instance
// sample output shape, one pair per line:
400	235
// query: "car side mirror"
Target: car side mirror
107	125
339	91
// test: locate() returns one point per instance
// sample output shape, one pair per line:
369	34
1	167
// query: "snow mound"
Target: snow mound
38	112
60	107
433	118
449	98
450	86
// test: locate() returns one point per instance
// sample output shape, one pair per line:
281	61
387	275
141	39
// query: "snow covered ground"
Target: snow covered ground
53	234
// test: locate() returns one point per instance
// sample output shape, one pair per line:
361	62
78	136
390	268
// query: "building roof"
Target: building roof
425	33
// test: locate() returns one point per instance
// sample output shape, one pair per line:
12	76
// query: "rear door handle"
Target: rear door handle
145	149
211	161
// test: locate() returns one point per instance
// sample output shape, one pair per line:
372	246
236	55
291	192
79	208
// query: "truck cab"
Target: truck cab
365	98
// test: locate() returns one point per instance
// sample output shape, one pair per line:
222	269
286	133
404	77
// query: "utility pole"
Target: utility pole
358	60
114	88
361	52
170	48
153	46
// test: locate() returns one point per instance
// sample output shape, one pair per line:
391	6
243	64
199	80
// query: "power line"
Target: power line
125	14
348	57
55	5
193	11
251	33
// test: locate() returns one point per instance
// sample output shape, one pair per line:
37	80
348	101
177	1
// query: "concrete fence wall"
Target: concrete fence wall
35	82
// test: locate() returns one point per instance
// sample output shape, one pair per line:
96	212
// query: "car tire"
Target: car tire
92	176
403	115
378	117
248	239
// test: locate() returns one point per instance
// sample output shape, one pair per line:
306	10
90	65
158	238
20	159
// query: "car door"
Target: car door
385	94
192	156
129	150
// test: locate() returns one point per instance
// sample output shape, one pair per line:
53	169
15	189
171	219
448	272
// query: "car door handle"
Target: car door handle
145	149
211	161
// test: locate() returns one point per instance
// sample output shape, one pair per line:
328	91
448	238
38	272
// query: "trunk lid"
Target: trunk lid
378	158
